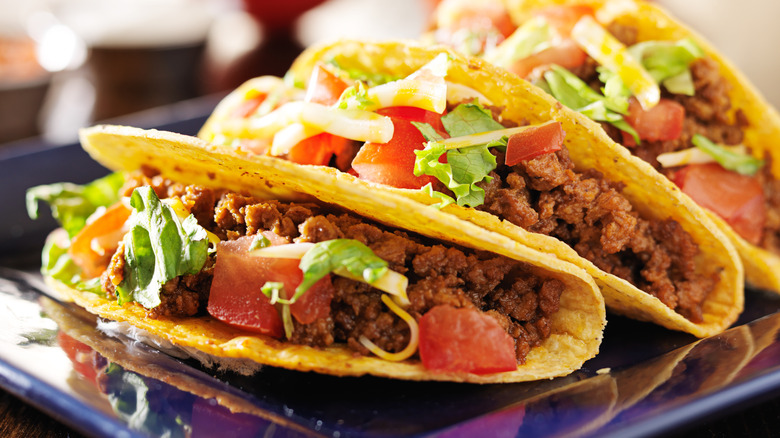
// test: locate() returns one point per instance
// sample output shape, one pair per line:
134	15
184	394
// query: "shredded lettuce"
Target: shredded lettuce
668	62
532	37
326	257
276	293
466	166
355	97
573	92
158	248
741	163
57	264
72	204
469	118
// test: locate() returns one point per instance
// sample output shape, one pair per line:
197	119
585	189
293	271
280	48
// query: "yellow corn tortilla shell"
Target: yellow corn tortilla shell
652	195
576	328
762	268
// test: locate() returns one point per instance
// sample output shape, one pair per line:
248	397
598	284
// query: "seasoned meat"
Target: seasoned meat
522	303
546	195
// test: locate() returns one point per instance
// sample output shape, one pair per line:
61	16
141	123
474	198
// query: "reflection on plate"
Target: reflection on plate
150	393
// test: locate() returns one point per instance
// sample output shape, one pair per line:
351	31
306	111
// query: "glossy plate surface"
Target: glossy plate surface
646	380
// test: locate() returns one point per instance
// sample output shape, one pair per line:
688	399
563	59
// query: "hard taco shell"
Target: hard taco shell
589	148
577	326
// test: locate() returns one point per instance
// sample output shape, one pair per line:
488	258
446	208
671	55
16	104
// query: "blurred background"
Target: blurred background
65	64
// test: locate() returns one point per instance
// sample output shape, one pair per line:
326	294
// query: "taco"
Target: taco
516	162
210	264
662	91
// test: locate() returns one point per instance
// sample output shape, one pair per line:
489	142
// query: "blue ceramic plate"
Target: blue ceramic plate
646	380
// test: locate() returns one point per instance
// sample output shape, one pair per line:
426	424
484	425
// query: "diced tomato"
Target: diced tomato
91	249
236	297
82	356
473	26
324	87
315	303
247	107
318	149
533	142
563	18
464	340
479	16
660	123
565	53
392	163
738	199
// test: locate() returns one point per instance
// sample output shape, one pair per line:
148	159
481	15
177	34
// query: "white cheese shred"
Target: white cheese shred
414	335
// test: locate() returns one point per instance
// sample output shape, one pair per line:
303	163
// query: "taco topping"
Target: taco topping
665	100
464	154
320	277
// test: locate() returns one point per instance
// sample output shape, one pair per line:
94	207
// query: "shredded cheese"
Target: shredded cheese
414	335
392	282
262	127
457	93
483	137
288	251
431	96
350	123
289	136
612	54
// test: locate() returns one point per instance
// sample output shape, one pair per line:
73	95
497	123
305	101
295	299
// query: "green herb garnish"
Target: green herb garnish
158	248
72	204
741	163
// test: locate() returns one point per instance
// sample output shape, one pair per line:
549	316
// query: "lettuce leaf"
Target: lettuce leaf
669	62
158	248
72	204
325	257
469	118
465	167
743	164
573	92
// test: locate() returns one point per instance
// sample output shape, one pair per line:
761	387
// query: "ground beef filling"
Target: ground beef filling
521	302
706	113
545	195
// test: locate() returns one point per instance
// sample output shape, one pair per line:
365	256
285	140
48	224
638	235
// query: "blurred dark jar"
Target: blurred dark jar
141	53
130	79
23	87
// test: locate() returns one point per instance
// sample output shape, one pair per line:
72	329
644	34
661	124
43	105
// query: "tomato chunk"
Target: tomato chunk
485	23
319	149
563	18
533	142
324	87
392	163
91	249
464	340
738	199
248	107
236	297
660	123
565	53
85	360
